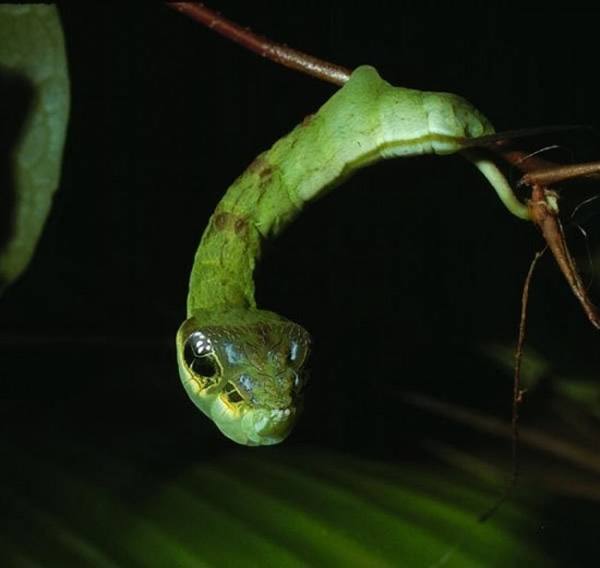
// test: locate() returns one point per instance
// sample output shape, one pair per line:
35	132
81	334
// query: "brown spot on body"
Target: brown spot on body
262	169
257	164
307	120
266	173
225	221
240	226
221	220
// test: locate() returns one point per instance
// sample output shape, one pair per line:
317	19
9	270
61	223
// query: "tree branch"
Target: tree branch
276	52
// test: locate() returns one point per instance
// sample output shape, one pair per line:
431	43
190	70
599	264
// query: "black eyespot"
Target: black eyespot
188	354
232	394
200	360
204	366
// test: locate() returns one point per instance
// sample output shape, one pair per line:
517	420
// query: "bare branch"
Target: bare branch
263	46
557	174
517	393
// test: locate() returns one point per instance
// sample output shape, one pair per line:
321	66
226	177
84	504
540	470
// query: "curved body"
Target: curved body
243	366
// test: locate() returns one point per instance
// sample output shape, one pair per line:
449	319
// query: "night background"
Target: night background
408	276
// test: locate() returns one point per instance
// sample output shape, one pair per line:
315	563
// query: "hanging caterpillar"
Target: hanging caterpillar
243	366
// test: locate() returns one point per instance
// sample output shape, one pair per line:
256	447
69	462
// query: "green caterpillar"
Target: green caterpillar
242	366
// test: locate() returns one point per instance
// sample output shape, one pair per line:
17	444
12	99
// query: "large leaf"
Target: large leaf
76	506
34	103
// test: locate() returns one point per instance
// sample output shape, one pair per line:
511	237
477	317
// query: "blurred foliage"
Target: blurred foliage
73	505
584	392
34	112
537	372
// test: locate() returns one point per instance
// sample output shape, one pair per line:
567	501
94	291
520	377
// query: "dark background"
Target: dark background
402	275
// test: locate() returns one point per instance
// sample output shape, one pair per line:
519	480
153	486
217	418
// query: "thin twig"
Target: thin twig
276	52
558	174
517	393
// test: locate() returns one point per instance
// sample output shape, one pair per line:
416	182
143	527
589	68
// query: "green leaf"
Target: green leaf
583	392
76	506
34	108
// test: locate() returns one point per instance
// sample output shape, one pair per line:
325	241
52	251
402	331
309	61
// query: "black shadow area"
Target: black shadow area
16	98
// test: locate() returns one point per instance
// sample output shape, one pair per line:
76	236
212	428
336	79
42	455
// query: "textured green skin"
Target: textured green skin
365	121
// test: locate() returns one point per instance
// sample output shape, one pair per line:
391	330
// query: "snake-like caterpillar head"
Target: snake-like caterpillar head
245	371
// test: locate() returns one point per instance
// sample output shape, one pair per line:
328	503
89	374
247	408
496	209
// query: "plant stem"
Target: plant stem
279	53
